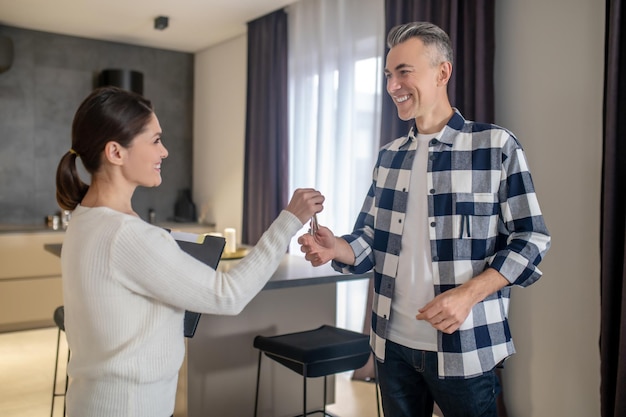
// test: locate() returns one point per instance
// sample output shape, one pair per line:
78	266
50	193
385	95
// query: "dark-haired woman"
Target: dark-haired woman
126	283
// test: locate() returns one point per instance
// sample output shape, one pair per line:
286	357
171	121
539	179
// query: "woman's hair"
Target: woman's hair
107	114
428	33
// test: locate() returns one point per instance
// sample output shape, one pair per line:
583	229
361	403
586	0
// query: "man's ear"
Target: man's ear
114	153
445	72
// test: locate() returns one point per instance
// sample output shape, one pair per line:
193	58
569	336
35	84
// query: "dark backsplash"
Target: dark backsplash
50	76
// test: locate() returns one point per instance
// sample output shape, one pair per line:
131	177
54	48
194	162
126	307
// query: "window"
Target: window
335	73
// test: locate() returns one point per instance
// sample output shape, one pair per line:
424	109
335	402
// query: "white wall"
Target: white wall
549	81
219	131
549	63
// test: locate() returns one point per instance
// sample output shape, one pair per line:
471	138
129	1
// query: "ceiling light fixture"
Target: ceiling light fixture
161	22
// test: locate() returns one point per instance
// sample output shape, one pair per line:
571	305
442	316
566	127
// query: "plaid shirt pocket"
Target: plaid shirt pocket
475	224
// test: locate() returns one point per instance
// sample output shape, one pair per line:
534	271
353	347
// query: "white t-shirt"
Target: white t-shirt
126	286
414	282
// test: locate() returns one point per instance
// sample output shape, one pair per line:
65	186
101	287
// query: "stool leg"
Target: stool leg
304	396
258	375
67	380
56	367
376	386
324	407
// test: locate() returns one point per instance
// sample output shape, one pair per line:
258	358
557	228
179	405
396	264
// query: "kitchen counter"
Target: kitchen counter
26	228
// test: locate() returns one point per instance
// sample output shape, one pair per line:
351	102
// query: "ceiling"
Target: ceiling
194	25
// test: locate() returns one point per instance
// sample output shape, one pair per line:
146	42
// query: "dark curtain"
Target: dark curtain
471	27
613	222
266	175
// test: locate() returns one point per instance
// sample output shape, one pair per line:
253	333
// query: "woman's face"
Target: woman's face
142	165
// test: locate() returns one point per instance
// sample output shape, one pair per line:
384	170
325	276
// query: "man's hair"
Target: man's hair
428	33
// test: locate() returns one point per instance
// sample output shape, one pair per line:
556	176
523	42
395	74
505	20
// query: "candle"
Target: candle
231	240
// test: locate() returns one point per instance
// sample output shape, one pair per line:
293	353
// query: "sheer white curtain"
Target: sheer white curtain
335	70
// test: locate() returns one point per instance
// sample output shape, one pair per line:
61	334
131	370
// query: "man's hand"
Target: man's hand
324	246
318	248
447	311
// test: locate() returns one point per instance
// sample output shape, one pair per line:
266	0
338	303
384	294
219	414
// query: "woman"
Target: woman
126	283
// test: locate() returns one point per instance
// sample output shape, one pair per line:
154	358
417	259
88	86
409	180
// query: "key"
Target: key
314	225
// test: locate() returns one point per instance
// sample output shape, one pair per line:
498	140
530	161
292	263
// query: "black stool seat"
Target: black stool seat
324	351
59	317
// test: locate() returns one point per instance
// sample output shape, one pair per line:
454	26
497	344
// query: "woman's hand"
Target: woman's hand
304	203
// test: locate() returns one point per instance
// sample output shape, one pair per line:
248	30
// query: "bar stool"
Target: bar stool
59	320
324	351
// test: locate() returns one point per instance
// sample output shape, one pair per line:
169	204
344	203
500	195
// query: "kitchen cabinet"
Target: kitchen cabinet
30	280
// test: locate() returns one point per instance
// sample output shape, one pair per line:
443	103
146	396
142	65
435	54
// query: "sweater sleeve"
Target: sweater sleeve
148	261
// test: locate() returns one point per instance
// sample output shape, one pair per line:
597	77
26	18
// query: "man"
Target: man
450	223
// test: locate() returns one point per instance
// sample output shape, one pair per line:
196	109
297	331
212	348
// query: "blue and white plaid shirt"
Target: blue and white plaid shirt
482	212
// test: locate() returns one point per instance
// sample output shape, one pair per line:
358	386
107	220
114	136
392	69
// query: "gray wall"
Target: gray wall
50	76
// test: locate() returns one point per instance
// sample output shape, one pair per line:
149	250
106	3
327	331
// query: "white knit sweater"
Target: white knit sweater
126	284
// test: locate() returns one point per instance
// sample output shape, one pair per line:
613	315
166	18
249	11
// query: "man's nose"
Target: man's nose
392	84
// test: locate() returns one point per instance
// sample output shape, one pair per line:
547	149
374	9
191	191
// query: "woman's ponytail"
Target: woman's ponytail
70	188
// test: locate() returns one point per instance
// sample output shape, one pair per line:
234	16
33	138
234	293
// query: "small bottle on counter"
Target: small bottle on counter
66	215
54	222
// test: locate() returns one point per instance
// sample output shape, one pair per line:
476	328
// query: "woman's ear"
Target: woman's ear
114	153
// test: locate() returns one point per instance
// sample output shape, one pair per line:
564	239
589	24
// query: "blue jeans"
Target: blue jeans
409	386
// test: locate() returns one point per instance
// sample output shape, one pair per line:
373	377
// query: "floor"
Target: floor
27	369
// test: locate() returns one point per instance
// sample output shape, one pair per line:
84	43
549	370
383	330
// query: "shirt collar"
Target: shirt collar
452	128
447	134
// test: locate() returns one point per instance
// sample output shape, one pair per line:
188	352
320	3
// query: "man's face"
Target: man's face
413	82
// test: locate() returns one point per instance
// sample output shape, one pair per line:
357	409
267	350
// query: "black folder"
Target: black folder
205	248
